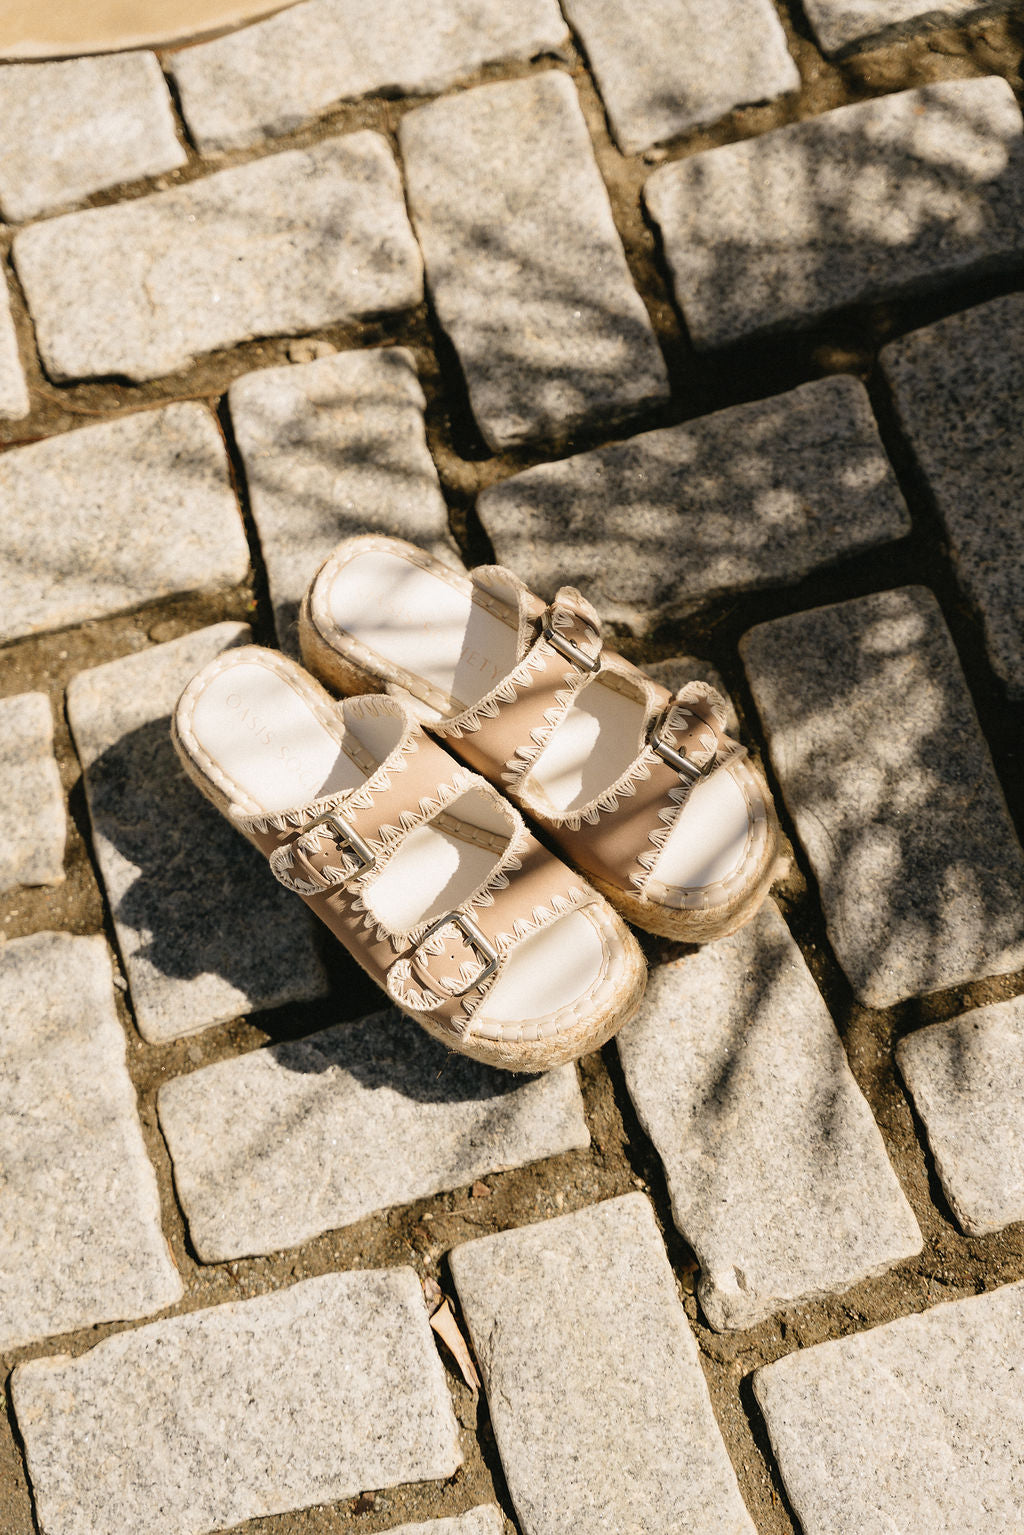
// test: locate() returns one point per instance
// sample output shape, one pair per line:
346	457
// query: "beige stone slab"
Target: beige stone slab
873	201
205	931
334	448
80	1233
967	1081
271	78
885	771
33	820
915	1427
70	129
526	268
600	1411
382	1112
99	520
301	1397
280	246
959	392
14	398
777	1172
760	494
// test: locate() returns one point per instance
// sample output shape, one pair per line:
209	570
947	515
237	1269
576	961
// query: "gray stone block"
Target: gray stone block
676	671
288	243
270	78
485	1519
382	1112
333	448
884	769
777	1172
72	128
848	24
14	400
110	516
756	495
525	266
80	1215
967	1081
959	391
871	201
33	821
916	1426
205	930
663	66
599	1406
241	1411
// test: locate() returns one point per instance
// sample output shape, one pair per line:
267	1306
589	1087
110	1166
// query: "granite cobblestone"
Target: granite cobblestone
294	241
873	201
524	263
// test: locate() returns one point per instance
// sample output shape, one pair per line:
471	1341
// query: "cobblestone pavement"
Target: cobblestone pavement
714	309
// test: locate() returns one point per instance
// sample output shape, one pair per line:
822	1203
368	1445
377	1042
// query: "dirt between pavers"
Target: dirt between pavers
620	1157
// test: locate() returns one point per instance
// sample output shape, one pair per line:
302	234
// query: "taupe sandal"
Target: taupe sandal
642	791
423	871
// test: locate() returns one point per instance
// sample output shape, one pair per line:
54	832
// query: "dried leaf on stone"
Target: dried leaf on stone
447	1328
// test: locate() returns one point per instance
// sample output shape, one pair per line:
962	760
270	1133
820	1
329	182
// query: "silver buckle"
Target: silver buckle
348	840
688	771
570	651
475	940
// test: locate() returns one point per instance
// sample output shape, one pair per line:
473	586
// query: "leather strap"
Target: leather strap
504	732
331	850
619	836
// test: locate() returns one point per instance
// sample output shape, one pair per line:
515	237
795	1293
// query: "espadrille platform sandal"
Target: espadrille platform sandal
425	873
641	790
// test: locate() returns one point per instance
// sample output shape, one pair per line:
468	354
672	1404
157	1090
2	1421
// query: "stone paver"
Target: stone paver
888	778
33	821
598	1402
248	1409
756	495
841	24
382	1112
676	671
333	448
914	1427
777	1172
663	66
80	1214
289	243
14	400
72	128
524	263
485	1519
204	929
101	519
967	1082
270	78
959	391
871	201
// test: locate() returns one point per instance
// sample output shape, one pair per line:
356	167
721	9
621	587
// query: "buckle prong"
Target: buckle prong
688	771
348	839
570	651
475	940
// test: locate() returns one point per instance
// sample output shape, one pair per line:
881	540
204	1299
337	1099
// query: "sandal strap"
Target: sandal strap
620	834
504	732
330	850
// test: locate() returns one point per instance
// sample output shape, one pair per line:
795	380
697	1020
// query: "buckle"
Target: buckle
348	841
570	651
474	940
688	771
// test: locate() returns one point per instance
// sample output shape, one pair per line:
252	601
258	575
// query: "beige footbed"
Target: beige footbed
259	736
383	615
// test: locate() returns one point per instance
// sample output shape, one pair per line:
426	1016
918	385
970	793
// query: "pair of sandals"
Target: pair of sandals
427	873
